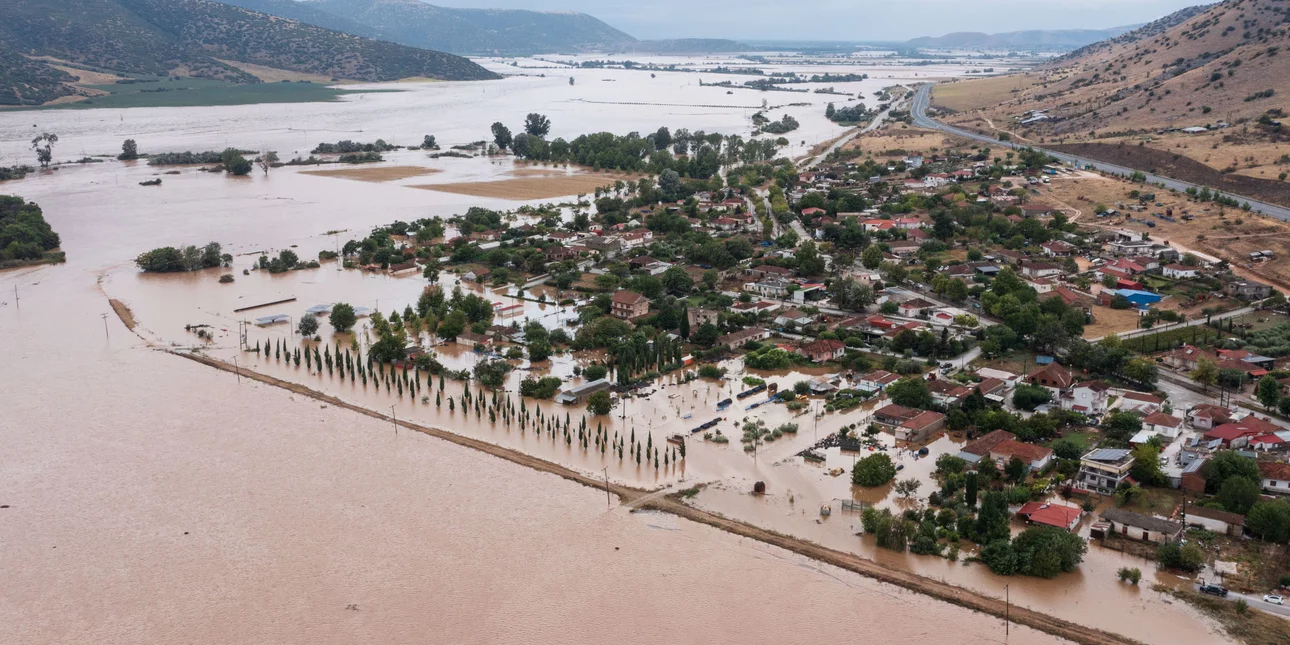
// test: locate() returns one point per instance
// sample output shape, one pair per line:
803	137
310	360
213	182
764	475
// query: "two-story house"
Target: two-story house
1104	469
1089	397
628	305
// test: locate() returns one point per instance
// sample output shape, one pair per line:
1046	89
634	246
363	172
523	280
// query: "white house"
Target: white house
1180	271
1217	521
1275	476
1089	397
793	317
911	308
877	380
1163	424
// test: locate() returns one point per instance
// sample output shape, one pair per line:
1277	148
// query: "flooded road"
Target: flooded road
155	500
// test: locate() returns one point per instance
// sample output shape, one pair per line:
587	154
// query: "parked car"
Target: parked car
1274	599
1214	590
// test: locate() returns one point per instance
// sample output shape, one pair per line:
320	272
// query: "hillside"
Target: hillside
1198	68
191	38
1047	40
471	31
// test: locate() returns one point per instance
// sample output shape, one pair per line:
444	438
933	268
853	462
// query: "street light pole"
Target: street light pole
395	417
1007	610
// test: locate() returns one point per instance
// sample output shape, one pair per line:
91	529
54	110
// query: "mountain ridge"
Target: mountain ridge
190	38
1027	39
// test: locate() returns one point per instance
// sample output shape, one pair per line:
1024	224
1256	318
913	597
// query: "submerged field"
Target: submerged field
190	92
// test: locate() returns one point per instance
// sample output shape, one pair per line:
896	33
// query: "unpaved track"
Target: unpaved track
628	495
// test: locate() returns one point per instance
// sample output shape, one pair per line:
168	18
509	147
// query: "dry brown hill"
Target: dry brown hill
1228	62
1201	67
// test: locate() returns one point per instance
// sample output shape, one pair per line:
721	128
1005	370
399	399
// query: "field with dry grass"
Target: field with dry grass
888	142
528	188
1111	321
374	173
275	75
979	93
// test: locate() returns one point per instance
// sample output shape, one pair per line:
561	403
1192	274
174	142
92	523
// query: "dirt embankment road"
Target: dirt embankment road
628	495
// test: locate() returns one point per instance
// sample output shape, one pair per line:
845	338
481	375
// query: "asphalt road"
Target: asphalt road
1256	602
922	99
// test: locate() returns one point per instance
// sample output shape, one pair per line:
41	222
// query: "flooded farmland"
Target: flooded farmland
151	499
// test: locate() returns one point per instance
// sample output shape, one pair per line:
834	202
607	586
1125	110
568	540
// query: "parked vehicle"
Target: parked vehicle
1274	599
1214	590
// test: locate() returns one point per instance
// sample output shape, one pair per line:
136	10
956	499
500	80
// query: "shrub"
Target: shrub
1130	575
711	371
543	388
874	470
595	372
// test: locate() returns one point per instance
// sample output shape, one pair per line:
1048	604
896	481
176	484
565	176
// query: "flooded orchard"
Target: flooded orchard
153	499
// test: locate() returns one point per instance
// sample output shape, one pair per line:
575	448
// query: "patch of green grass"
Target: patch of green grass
1086	439
194	92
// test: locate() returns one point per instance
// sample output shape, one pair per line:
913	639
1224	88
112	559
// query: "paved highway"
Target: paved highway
923	99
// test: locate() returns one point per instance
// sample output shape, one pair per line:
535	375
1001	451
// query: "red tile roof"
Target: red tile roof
922	420
625	297
1027	452
1248	426
1274	470
982	447
1162	419
1058	515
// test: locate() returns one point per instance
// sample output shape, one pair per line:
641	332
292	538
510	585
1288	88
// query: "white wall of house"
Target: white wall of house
1218	526
1276	486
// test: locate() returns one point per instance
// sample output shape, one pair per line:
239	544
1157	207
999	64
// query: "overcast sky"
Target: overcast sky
844	19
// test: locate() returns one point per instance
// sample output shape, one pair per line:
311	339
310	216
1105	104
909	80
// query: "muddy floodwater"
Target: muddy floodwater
151	499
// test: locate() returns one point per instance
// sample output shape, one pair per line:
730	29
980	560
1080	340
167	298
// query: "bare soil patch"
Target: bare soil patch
538	172
1180	167
275	75
123	312
374	173
526	188
1111	321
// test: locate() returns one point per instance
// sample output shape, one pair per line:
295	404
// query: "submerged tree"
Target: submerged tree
44	147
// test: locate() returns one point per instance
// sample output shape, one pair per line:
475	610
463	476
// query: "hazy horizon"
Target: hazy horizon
851	20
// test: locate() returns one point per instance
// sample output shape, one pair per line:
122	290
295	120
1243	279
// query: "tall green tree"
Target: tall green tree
537	125
1206	373
342	317
1269	391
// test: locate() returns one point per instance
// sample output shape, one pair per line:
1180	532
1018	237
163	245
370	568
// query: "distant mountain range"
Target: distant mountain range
475	31
1058	39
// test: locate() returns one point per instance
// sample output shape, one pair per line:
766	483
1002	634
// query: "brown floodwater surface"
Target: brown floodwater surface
151	499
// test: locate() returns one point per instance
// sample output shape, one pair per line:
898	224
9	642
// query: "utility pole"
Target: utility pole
1007	610
608	503
395	417
15	296
105	325
237	370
